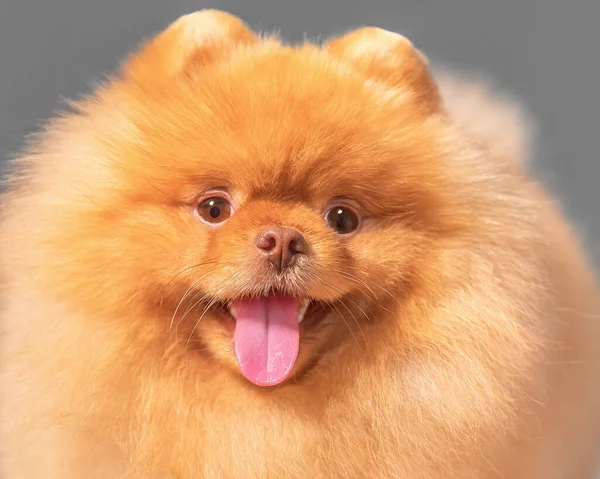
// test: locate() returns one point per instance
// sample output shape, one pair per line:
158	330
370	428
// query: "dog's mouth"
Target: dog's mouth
266	336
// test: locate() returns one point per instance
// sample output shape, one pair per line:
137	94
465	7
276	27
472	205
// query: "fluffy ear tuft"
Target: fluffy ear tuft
191	40
390	58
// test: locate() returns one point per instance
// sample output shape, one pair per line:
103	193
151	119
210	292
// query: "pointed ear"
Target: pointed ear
192	40
389	58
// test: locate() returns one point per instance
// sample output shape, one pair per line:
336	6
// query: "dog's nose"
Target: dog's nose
281	246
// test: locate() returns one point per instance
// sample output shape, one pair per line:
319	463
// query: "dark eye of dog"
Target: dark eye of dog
215	210
342	220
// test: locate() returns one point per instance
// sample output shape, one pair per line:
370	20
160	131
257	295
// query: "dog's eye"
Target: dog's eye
215	210
342	220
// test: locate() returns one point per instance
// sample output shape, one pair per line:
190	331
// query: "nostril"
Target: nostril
266	242
298	244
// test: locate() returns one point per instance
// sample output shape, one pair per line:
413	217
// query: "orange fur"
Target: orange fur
465	340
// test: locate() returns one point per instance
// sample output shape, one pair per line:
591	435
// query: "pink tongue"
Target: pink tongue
266	338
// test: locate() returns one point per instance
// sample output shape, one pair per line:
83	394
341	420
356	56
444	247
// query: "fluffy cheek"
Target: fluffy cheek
386	259
164	243
131	256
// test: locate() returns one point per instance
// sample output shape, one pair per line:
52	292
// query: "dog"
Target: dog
243	259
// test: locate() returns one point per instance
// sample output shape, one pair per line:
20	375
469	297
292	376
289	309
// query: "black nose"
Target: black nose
281	246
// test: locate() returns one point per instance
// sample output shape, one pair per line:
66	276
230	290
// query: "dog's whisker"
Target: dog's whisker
184	297
208	306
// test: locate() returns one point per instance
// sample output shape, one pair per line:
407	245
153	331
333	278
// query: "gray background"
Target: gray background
546	52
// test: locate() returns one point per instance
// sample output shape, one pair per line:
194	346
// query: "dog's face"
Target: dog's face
264	199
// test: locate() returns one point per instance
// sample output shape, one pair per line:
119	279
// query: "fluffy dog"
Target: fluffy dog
242	259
